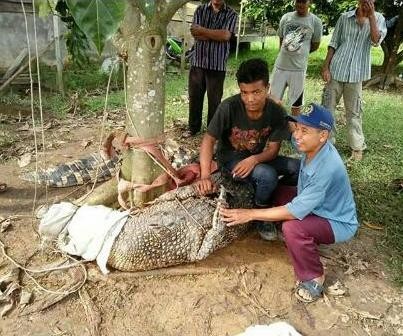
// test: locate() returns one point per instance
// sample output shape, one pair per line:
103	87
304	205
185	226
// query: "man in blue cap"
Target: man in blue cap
321	210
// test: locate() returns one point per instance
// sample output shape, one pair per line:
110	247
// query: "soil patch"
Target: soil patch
249	282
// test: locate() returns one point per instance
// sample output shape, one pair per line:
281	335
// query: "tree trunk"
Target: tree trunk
392	56
144	39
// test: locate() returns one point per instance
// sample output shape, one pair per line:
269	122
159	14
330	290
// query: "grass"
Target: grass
377	204
383	125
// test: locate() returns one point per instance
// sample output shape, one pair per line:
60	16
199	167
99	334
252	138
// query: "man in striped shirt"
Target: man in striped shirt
348	63
213	25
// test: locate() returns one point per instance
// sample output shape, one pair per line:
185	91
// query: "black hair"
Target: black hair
253	70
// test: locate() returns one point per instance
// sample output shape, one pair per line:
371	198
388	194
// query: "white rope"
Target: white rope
40	101
104	117
32	103
27	271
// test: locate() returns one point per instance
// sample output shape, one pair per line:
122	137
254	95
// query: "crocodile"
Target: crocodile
180	226
95	167
87	169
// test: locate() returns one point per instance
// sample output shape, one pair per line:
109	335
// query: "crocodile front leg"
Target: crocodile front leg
216	235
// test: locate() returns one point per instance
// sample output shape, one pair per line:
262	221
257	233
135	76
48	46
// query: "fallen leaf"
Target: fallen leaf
7	308
5	224
25	297
337	289
327	301
23	128
45	127
86	143
11	276
24	160
373	226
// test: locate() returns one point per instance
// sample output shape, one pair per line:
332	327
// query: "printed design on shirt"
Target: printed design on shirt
248	139
294	36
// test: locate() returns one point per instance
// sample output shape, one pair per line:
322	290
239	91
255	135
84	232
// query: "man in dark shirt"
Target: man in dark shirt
249	129
213	25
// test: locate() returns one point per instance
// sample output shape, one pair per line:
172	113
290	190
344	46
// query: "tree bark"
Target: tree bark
392	57
144	39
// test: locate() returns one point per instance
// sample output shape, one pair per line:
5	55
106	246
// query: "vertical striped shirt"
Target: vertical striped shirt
351	62
210	54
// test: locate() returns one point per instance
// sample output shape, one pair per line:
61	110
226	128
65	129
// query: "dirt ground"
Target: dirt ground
249	282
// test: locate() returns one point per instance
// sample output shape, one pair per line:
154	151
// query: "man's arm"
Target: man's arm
205	185
317	35
245	167
201	33
333	45
270	152
326	64
373	26
240	216
280	31
314	46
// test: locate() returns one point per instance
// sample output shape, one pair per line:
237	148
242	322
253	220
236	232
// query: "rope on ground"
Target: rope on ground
27	271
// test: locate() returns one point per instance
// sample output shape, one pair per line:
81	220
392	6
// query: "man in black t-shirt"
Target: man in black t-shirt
249	128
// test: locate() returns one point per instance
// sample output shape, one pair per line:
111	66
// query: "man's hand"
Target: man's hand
235	216
244	168
326	76
369	8
197	32
205	186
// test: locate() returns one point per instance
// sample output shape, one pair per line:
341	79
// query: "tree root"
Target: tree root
105	194
384	81
373	81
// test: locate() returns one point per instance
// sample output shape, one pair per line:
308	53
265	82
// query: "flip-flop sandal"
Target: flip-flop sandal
312	291
3	187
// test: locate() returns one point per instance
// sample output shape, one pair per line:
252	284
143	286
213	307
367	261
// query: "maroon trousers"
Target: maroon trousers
302	237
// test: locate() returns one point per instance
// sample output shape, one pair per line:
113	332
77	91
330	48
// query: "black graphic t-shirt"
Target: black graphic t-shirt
239	136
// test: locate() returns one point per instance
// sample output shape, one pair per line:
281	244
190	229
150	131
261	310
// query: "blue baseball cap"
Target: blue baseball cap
317	116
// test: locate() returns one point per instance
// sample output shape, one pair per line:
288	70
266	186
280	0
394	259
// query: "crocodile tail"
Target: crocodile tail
87	169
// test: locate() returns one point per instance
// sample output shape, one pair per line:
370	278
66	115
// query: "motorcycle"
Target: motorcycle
174	50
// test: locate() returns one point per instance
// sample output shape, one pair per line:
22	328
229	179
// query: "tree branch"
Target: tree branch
170	7
146	7
399	57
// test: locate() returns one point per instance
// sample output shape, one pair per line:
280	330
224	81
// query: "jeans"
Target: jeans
265	176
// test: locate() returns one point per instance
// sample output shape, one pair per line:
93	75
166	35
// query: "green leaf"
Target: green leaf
98	19
45	7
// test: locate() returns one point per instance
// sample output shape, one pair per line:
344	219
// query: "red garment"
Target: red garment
302	237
